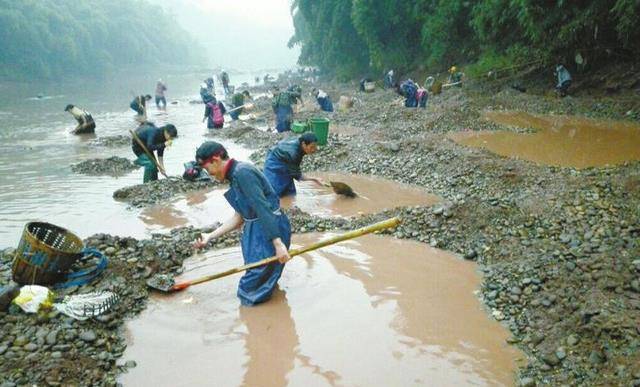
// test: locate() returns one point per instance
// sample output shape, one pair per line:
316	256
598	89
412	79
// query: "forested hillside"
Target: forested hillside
348	38
46	39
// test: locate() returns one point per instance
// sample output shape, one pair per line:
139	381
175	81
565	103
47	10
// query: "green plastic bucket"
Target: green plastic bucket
299	127
320	126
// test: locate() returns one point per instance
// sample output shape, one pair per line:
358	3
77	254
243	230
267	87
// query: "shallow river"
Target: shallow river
375	311
36	152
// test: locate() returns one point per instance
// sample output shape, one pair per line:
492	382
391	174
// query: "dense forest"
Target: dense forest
350	38
45	39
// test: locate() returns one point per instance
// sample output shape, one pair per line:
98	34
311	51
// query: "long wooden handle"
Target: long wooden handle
144	148
389	223
247	105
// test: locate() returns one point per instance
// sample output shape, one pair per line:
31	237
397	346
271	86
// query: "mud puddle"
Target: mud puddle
564	141
372	312
373	196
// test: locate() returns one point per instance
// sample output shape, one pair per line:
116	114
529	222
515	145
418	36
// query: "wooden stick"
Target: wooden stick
389	223
247	105
149	154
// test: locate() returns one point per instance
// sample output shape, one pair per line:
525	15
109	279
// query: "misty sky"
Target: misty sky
238	34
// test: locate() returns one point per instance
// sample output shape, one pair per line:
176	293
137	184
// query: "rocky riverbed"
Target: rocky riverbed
111	166
112	141
558	246
159	191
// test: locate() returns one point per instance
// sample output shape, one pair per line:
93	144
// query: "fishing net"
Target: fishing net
84	306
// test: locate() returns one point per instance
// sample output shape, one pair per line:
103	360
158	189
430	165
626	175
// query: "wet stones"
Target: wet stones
158	191
88	336
112	166
111	141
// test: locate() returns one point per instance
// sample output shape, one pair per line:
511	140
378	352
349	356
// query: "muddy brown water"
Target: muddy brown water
565	141
375	311
203	208
373	195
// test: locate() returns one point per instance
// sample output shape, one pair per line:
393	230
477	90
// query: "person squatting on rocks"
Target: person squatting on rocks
160	89
224	77
283	161
214	113
237	100
422	95
564	80
139	105
455	76
85	121
154	139
323	100
409	90
282	107
266	231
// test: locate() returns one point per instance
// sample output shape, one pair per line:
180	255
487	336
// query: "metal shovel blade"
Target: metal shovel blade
342	189
162	282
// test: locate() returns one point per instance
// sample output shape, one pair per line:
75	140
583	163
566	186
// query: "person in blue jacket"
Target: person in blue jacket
408	89
323	100
266	230
154	139
283	161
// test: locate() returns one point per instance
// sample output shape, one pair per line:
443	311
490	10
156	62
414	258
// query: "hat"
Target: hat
209	149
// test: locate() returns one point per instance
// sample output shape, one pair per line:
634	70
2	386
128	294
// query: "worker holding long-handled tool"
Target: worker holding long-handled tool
266	230
147	139
283	162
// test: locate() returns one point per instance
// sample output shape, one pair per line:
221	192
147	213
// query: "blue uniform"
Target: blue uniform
409	90
283	165
251	195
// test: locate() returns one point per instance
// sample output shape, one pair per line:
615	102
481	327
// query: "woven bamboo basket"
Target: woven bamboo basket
45	254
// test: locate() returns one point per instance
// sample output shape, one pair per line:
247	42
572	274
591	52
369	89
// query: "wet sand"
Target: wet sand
374	312
373	196
564	141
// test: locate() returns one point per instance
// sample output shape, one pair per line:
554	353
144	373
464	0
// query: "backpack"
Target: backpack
216	114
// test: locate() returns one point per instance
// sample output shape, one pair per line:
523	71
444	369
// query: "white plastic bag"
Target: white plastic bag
33	298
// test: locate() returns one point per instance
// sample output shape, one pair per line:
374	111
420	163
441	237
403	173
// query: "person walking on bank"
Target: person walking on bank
139	105
160	90
214	113
266	230
283	162
154	139
86	124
